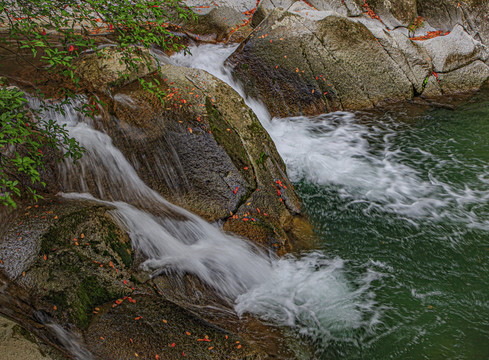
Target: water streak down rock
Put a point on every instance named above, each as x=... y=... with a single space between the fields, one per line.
x=206 y=151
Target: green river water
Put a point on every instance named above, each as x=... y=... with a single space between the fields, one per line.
x=407 y=197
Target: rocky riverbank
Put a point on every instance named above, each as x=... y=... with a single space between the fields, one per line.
x=204 y=150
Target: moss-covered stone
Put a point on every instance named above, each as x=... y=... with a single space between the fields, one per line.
x=90 y=293
x=80 y=261
x=227 y=138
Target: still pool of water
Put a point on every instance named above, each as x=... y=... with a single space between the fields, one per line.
x=408 y=196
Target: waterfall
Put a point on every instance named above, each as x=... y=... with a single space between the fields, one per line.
x=311 y=292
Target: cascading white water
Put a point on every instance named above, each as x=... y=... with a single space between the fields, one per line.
x=404 y=196
x=310 y=292
x=336 y=149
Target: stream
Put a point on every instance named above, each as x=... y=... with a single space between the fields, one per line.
x=399 y=200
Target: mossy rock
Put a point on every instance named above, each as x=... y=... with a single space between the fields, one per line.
x=203 y=149
x=80 y=261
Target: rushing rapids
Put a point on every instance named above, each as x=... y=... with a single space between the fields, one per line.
x=399 y=201
x=398 y=196
x=311 y=292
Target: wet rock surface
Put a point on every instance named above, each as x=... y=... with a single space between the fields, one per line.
x=153 y=326
x=206 y=151
x=18 y=343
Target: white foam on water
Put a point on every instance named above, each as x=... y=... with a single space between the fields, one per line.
x=361 y=160
x=313 y=295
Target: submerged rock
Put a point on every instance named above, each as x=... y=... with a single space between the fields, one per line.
x=311 y=59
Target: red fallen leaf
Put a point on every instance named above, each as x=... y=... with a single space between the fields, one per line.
x=183 y=353
x=157 y=357
x=173 y=345
x=71 y=48
x=246 y=167
x=186 y=332
x=44 y=32
x=45 y=257
x=235 y=190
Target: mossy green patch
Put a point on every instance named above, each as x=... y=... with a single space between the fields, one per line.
x=113 y=238
x=60 y=235
x=90 y=293
x=227 y=139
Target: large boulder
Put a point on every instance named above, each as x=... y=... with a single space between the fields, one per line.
x=205 y=150
x=477 y=20
x=113 y=67
x=220 y=24
x=305 y=59
x=301 y=64
x=454 y=51
x=206 y=6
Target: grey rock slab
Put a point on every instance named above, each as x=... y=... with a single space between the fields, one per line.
x=453 y=51
x=205 y=6
x=432 y=88
x=466 y=79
